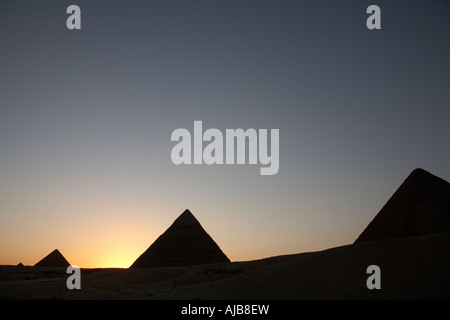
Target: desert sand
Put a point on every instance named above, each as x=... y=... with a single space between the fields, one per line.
x=411 y=268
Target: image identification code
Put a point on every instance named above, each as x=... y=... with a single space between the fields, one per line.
x=230 y=309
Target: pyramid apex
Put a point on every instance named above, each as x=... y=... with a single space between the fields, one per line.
x=422 y=176
x=419 y=171
x=186 y=218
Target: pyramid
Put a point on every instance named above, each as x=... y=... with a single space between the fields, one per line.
x=54 y=259
x=420 y=206
x=184 y=243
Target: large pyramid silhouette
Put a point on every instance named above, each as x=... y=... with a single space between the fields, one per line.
x=184 y=243
x=53 y=259
x=420 y=206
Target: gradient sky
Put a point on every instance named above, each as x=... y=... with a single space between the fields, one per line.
x=86 y=118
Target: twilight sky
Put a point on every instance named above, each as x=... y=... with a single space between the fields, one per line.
x=86 y=118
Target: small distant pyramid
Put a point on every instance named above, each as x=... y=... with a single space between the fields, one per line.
x=54 y=259
x=420 y=206
x=184 y=243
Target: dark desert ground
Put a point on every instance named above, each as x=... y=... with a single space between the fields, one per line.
x=409 y=239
